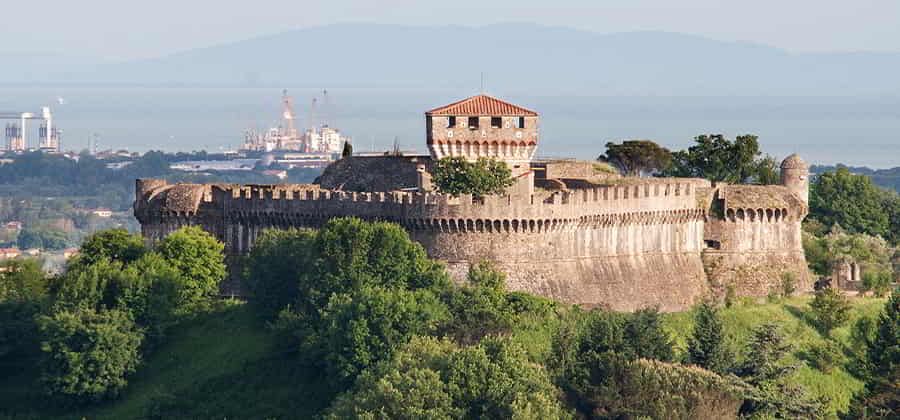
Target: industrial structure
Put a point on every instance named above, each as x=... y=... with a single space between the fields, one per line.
x=16 y=132
x=285 y=137
x=565 y=229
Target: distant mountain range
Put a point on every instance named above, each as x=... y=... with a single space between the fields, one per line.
x=521 y=57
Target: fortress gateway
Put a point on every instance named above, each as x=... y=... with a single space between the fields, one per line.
x=565 y=230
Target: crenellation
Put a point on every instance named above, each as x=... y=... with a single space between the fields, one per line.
x=624 y=243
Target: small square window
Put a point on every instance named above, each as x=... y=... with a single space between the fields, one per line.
x=496 y=122
x=451 y=122
x=473 y=123
x=520 y=123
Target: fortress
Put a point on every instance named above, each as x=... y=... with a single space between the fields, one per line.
x=566 y=229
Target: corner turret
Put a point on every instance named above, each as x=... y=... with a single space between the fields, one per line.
x=795 y=176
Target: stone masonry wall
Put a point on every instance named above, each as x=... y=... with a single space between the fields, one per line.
x=621 y=246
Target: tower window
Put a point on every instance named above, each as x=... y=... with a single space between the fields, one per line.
x=451 y=122
x=473 y=123
x=496 y=122
x=520 y=123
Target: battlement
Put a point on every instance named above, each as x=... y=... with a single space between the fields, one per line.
x=583 y=236
x=400 y=205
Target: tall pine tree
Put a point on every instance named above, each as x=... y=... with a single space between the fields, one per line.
x=884 y=353
x=706 y=346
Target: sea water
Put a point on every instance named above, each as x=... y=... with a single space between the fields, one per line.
x=862 y=131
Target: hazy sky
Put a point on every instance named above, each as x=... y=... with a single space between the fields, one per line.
x=125 y=29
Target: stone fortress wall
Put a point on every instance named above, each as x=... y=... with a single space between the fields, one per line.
x=623 y=246
x=621 y=243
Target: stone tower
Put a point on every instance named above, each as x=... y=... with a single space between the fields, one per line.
x=484 y=126
x=795 y=176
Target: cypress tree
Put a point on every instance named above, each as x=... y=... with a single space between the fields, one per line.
x=706 y=346
x=348 y=150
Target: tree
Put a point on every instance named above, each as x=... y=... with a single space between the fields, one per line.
x=884 y=352
x=114 y=244
x=275 y=267
x=718 y=159
x=706 y=346
x=592 y=349
x=637 y=157
x=830 y=309
x=367 y=325
x=347 y=151
x=23 y=293
x=851 y=201
x=432 y=379
x=881 y=398
x=765 y=369
x=480 y=308
x=29 y=238
x=349 y=254
x=42 y=238
x=87 y=355
x=456 y=175
x=367 y=289
x=200 y=259
x=87 y=286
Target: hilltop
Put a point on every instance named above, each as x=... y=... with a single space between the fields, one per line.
x=516 y=55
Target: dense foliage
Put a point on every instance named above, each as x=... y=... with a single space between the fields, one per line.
x=766 y=369
x=637 y=157
x=592 y=351
x=88 y=353
x=23 y=294
x=436 y=379
x=881 y=399
x=716 y=158
x=456 y=175
x=113 y=303
x=851 y=201
x=354 y=321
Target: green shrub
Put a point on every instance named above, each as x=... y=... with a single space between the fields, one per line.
x=659 y=390
x=878 y=282
x=437 y=379
x=87 y=355
x=830 y=309
x=456 y=175
x=826 y=356
x=730 y=296
x=788 y=284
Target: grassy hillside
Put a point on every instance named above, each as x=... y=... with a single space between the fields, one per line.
x=227 y=365
x=792 y=315
x=223 y=365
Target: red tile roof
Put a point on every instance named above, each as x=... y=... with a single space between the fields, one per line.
x=482 y=105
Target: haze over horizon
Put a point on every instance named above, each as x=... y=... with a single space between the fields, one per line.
x=122 y=31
